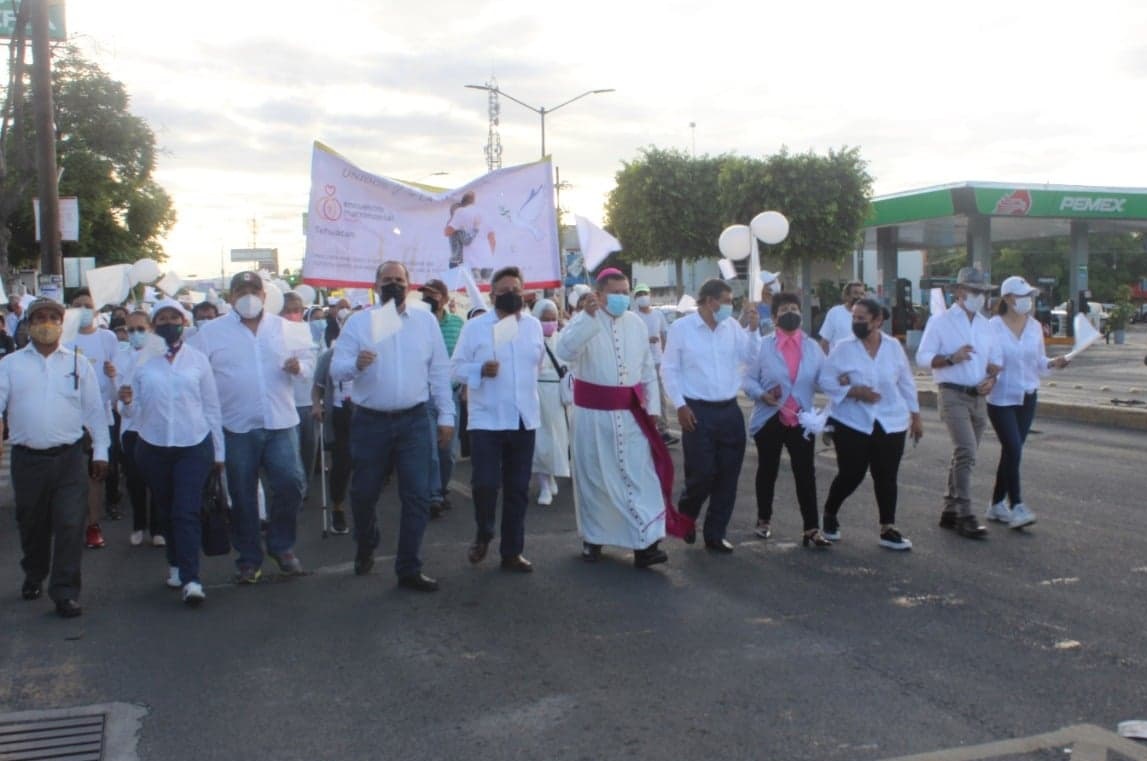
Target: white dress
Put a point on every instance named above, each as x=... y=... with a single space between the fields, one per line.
x=616 y=489
x=552 y=441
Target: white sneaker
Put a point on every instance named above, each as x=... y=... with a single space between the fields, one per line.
x=1000 y=512
x=136 y=538
x=553 y=486
x=193 y=593
x=173 y=577
x=544 y=496
x=157 y=540
x=1021 y=516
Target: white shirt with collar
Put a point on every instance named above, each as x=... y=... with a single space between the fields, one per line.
x=945 y=333
x=411 y=365
x=1024 y=361
x=510 y=398
x=888 y=374
x=51 y=400
x=706 y=363
x=254 y=389
x=99 y=346
x=837 y=325
x=175 y=403
x=658 y=326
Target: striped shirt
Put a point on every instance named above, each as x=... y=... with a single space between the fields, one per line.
x=451 y=325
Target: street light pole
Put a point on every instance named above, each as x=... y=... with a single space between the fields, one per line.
x=541 y=111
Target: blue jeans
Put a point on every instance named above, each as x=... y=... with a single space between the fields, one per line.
x=501 y=458
x=176 y=476
x=276 y=455
x=1011 y=424
x=306 y=446
x=378 y=442
x=442 y=458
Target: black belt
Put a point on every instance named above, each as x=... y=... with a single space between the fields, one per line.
x=49 y=452
x=704 y=403
x=969 y=390
x=420 y=407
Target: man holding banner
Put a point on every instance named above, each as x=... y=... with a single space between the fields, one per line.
x=397 y=359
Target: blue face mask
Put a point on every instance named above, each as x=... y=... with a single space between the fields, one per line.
x=137 y=340
x=724 y=312
x=87 y=317
x=617 y=303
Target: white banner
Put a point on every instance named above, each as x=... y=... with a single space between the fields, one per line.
x=358 y=220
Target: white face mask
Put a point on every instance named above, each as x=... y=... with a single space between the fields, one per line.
x=1023 y=304
x=974 y=302
x=249 y=307
x=643 y=301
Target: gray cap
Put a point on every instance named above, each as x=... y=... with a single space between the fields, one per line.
x=44 y=303
x=973 y=279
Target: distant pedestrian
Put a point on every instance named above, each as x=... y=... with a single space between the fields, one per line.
x=552 y=445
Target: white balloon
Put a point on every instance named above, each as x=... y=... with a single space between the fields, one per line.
x=736 y=242
x=306 y=293
x=770 y=227
x=144 y=271
x=273 y=304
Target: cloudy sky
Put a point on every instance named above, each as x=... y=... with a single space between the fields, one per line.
x=1023 y=91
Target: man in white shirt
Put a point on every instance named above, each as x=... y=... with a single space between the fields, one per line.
x=15 y=312
x=499 y=363
x=701 y=371
x=395 y=371
x=292 y=311
x=964 y=356
x=51 y=395
x=100 y=346
x=658 y=327
x=254 y=373
x=837 y=324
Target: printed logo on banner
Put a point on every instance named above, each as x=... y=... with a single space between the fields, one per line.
x=329 y=207
x=1015 y=204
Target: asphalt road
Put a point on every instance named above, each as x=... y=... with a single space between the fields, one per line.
x=774 y=652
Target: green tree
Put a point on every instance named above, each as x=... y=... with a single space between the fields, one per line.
x=108 y=157
x=662 y=208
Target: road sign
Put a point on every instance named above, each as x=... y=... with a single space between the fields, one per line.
x=57 y=31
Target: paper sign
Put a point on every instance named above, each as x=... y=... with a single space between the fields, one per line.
x=936 y=302
x=384 y=322
x=1085 y=335
x=505 y=330
x=596 y=244
x=460 y=277
x=170 y=284
x=109 y=285
x=71 y=325
x=297 y=336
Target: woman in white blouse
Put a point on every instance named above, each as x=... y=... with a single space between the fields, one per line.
x=1011 y=404
x=552 y=445
x=874 y=409
x=175 y=409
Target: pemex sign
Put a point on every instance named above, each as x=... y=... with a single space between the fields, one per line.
x=1089 y=203
x=56 y=28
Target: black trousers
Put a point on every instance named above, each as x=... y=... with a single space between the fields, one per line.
x=770 y=440
x=340 y=453
x=142 y=514
x=115 y=455
x=857 y=453
x=51 y=493
x=714 y=451
x=502 y=459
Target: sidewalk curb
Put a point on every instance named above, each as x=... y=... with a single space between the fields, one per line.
x=1116 y=417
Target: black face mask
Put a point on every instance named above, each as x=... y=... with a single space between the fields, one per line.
x=392 y=291
x=431 y=302
x=861 y=330
x=169 y=332
x=789 y=321
x=508 y=303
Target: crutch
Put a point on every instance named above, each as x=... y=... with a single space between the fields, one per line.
x=326 y=511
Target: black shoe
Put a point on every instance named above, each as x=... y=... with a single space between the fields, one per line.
x=816 y=539
x=651 y=555
x=948 y=519
x=517 y=563
x=338 y=522
x=363 y=562
x=970 y=528
x=477 y=552
x=436 y=510
x=113 y=514
x=724 y=546
x=590 y=553
x=447 y=505
x=690 y=536
x=670 y=439
x=419 y=582
x=68 y=609
x=31 y=590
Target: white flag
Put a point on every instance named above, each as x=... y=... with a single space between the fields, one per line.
x=1085 y=335
x=596 y=244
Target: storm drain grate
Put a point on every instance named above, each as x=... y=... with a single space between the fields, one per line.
x=77 y=738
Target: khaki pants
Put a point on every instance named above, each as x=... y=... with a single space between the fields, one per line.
x=966 y=416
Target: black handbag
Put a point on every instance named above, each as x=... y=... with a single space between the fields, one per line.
x=216 y=517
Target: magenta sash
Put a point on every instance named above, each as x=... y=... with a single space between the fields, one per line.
x=632 y=398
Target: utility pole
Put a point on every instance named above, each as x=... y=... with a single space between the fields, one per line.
x=51 y=261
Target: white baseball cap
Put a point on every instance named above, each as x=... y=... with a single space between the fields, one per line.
x=1017 y=286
